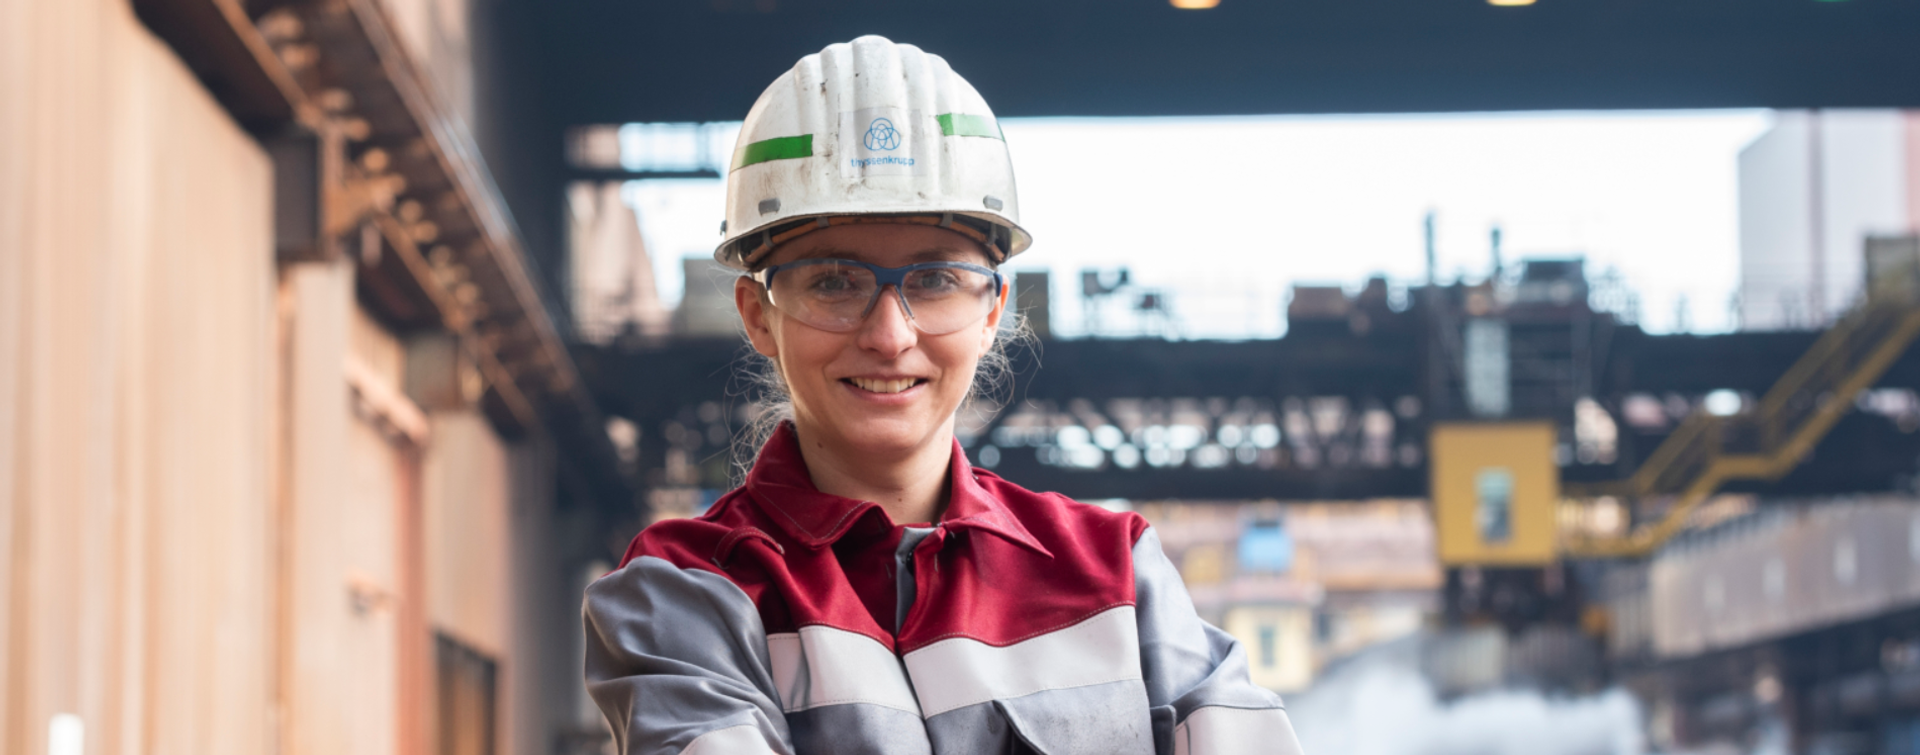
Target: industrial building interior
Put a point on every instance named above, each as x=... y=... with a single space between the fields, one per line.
x=338 y=354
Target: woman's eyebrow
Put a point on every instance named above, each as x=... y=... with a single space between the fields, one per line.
x=828 y=252
x=937 y=254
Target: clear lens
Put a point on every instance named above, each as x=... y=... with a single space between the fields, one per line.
x=836 y=296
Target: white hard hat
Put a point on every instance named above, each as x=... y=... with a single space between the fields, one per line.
x=869 y=131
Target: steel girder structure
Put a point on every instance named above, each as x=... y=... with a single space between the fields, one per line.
x=1348 y=411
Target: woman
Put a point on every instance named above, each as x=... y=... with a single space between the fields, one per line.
x=867 y=590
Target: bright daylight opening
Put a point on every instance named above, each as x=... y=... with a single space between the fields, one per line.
x=1215 y=221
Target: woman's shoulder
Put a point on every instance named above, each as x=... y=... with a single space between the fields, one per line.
x=690 y=541
x=1053 y=514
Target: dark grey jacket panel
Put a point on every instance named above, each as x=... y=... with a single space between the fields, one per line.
x=858 y=729
x=1100 y=719
x=673 y=654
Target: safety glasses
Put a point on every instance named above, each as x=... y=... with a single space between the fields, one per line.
x=836 y=295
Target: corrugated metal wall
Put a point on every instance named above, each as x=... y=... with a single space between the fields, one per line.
x=136 y=315
x=225 y=527
x=1786 y=570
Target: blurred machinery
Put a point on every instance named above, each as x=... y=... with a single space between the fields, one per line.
x=1343 y=407
x=1110 y=297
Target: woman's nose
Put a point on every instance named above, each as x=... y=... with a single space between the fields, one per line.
x=888 y=329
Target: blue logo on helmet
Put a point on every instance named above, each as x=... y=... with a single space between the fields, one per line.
x=882 y=136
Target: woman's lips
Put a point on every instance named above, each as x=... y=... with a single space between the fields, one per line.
x=883 y=385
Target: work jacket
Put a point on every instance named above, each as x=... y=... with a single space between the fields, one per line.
x=786 y=620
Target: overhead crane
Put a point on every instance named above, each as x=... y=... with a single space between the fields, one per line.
x=1356 y=408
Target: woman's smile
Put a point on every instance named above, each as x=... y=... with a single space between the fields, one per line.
x=886 y=386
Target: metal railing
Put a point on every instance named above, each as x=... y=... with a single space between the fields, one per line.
x=1707 y=451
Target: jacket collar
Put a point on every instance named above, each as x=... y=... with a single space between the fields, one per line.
x=781 y=486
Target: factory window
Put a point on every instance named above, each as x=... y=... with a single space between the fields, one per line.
x=1494 y=488
x=466 y=699
x=1265 y=547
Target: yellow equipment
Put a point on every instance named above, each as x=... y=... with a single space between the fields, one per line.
x=1495 y=493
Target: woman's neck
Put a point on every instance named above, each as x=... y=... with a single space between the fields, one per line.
x=911 y=487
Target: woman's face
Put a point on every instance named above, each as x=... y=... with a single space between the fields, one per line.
x=885 y=388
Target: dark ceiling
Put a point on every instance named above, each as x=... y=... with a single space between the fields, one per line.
x=543 y=65
x=696 y=60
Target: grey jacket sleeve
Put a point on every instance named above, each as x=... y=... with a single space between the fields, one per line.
x=677 y=660
x=1202 y=700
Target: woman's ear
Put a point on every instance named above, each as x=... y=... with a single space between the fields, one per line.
x=752 y=303
x=993 y=320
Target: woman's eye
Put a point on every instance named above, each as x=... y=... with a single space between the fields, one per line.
x=829 y=284
x=936 y=280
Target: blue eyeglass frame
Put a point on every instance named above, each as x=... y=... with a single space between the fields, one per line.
x=883 y=277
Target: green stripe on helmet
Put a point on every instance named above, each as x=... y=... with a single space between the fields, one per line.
x=782 y=148
x=961 y=124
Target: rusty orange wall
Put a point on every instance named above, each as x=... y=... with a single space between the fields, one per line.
x=136 y=341
x=467 y=495
x=339 y=564
x=490 y=576
x=214 y=520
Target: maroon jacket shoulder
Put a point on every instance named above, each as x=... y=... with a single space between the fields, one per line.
x=730 y=540
x=1055 y=519
x=705 y=541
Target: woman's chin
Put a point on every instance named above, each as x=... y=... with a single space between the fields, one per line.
x=883 y=436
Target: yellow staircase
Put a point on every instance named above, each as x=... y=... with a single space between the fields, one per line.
x=1706 y=451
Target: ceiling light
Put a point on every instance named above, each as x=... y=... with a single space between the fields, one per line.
x=1194 y=4
x=1509 y=3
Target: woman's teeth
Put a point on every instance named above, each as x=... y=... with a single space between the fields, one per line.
x=883 y=386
